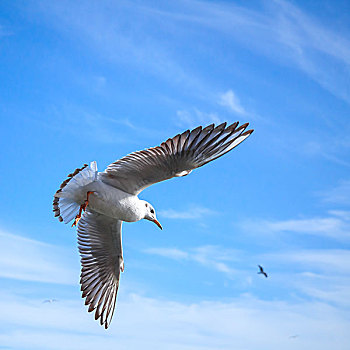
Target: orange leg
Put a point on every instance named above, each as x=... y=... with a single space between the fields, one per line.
x=82 y=208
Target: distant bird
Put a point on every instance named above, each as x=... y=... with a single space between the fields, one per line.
x=50 y=301
x=262 y=272
x=108 y=198
x=293 y=336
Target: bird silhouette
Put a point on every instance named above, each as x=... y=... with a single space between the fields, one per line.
x=262 y=272
x=293 y=336
x=49 y=301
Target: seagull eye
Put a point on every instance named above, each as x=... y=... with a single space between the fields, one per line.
x=146 y=205
x=152 y=211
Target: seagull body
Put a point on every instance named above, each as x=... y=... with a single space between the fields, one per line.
x=113 y=202
x=99 y=202
x=261 y=271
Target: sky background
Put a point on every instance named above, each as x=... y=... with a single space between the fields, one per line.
x=96 y=80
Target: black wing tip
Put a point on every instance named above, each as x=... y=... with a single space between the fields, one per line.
x=223 y=124
x=209 y=127
x=198 y=128
x=248 y=132
x=242 y=127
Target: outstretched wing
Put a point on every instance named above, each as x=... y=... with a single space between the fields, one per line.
x=100 y=247
x=178 y=156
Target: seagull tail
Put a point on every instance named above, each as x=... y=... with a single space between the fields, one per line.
x=64 y=203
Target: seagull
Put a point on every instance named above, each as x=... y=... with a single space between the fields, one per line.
x=293 y=336
x=262 y=272
x=98 y=203
x=49 y=301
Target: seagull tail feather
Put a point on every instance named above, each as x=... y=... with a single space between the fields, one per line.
x=65 y=206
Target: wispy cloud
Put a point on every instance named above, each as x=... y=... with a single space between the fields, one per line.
x=322 y=274
x=332 y=226
x=331 y=293
x=315 y=48
x=325 y=147
x=340 y=194
x=160 y=322
x=290 y=36
x=325 y=261
x=193 y=212
x=30 y=260
x=194 y=117
x=171 y=253
x=174 y=325
x=90 y=125
x=230 y=100
x=108 y=33
x=279 y=30
x=212 y=257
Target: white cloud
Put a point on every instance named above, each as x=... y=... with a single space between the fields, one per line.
x=171 y=253
x=287 y=34
x=26 y=259
x=279 y=30
x=332 y=226
x=339 y=194
x=152 y=323
x=322 y=274
x=193 y=212
x=243 y=323
x=331 y=294
x=212 y=257
x=231 y=101
x=315 y=48
x=68 y=118
x=326 y=261
x=118 y=42
x=193 y=118
x=282 y=32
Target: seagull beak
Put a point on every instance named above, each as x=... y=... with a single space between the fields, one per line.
x=157 y=223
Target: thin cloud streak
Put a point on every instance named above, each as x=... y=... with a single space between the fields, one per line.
x=212 y=257
x=30 y=260
x=325 y=261
x=230 y=100
x=194 y=117
x=322 y=274
x=340 y=194
x=332 y=226
x=105 y=31
x=194 y=212
x=170 y=253
x=282 y=32
x=174 y=325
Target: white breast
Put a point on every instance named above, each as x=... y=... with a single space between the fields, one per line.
x=115 y=203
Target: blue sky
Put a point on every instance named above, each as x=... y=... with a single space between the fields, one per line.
x=85 y=80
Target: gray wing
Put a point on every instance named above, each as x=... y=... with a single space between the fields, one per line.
x=100 y=247
x=178 y=156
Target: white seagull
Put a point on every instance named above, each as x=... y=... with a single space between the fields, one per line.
x=100 y=201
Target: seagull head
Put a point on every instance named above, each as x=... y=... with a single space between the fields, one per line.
x=150 y=214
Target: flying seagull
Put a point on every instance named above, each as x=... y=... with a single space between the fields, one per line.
x=49 y=301
x=99 y=202
x=293 y=336
x=262 y=272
